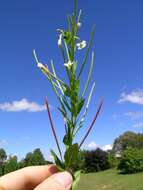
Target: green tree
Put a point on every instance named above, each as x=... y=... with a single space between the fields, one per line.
x=126 y=140
x=28 y=159
x=11 y=164
x=33 y=158
x=38 y=158
x=3 y=157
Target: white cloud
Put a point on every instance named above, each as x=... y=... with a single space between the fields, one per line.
x=21 y=105
x=134 y=115
x=138 y=125
x=107 y=147
x=92 y=145
x=135 y=97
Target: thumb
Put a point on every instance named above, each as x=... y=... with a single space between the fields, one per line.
x=58 y=181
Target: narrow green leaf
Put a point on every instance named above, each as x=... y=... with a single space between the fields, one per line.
x=79 y=16
x=71 y=156
x=67 y=91
x=76 y=180
x=86 y=109
x=63 y=112
x=87 y=52
x=66 y=104
x=75 y=7
x=69 y=23
x=89 y=75
x=67 y=140
x=54 y=72
x=58 y=162
x=80 y=105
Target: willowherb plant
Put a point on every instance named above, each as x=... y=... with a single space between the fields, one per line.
x=72 y=100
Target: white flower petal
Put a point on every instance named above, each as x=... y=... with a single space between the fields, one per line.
x=68 y=65
x=60 y=40
x=79 y=24
x=40 y=65
x=81 y=45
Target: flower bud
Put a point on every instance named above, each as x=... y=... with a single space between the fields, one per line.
x=60 y=40
x=79 y=24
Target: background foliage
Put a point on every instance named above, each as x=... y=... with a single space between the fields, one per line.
x=126 y=155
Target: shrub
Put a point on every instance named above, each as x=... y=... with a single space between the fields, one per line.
x=112 y=159
x=131 y=161
x=96 y=160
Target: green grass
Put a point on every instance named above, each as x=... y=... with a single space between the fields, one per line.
x=111 y=180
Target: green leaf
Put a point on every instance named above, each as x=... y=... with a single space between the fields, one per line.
x=87 y=52
x=66 y=104
x=54 y=73
x=67 y=91
x=76 y=180
x=63 y=112
x=74 y=95
x=71 y=156
x=86 y=109
x=58 y=162
x=89 y=75
x=80 y=105
x=67 y=140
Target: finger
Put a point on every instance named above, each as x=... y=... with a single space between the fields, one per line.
x=58 y=181
x=26 y=178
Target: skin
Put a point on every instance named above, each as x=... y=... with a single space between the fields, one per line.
x=36 y=178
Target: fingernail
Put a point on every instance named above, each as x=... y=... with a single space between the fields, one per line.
x=52 y=169
x=64 y=178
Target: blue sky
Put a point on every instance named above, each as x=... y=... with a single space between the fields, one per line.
x=118 y=44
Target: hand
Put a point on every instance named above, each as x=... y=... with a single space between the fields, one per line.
x=36 y=178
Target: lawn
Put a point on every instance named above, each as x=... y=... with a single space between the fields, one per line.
x=111 y=180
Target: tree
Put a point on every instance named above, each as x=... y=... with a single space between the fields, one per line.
x=11 y=164
x=3 y=157
x=96 y=160
x=33 y=158
x=127 y=139
x=38 y=158
x=131 y=161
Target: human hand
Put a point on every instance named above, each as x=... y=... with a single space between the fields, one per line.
x=36 y=178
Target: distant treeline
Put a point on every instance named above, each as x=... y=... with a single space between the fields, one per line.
x=126 y=155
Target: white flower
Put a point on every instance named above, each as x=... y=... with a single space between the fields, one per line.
x=81 y=45
x=79 y=24
x=65 y=120
x=68 y=65
x=41 y=66
x=60 y=40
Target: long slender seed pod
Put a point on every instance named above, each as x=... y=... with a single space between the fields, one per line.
x=94 y=119
x=52 y=127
